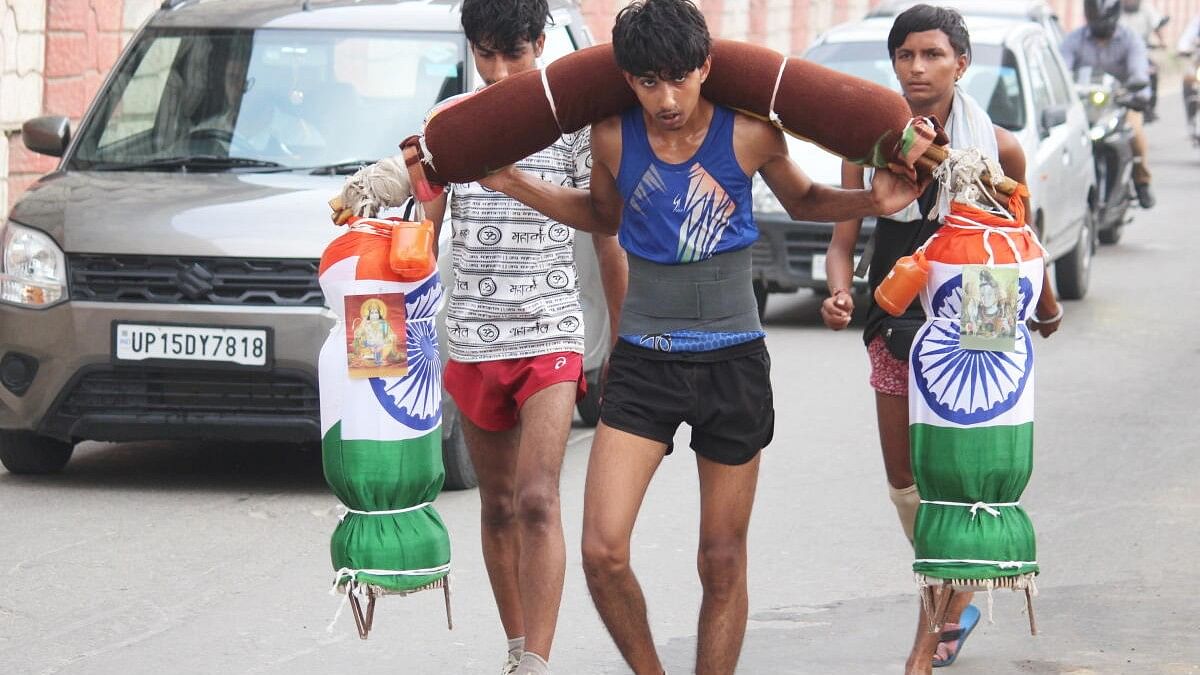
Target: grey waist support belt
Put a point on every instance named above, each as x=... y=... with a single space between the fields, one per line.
x=714 y=295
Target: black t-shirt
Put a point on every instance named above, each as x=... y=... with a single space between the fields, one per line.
x=894 y=240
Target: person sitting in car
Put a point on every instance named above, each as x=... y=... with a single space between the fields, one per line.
x=258 y=125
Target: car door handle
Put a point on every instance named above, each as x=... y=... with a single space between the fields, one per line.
x=1066 y=158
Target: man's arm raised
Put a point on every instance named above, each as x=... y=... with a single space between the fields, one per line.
x=596 y=210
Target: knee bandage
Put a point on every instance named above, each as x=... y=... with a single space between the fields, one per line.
x=906 y=500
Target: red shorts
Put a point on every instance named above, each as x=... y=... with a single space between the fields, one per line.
x=889 y=375
x=491 y=393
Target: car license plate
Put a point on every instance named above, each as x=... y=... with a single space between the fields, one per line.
x=818 y=268
x=214 y=344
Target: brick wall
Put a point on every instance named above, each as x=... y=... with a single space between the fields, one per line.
x=22 y=59
x=56 y=54
x=784 y=25
x=789 y=25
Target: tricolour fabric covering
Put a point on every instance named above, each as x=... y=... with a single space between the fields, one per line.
x=514 y=118
x=381 y=437
x=971 y=411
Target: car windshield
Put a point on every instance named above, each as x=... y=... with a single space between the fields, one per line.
x=991 y=79
x=261 y=99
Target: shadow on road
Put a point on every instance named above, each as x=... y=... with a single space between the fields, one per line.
x=184 y=466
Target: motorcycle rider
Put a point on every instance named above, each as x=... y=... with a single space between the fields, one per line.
x=1144 y=19
x=1189 y=42
x=1105 y=45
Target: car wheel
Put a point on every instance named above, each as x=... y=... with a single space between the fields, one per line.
x=589 y=405
x=460 y=472
x=760 y=297
x=1074 y=270
x=25 y=452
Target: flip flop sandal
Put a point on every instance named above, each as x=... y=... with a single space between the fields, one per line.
x=967 y=623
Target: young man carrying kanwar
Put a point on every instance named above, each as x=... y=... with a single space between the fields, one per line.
x=516 y=339
x=672 y=178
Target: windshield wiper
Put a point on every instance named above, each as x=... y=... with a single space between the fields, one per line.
x=342 y=168
x=200 y=162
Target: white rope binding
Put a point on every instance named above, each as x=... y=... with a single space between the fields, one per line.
x=391 y=512
x=376 y=187
x=550 y=100
x=1002 y=564
x=987 y=508
x=426 y=155
x=771 y=114
x=961 y=175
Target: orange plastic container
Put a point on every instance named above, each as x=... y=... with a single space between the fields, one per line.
x=411 y=256
x=902 y=285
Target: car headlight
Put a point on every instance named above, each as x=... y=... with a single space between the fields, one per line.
x=33 y=269
x=765 y=201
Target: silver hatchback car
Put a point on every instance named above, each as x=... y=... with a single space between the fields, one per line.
x=161 y=283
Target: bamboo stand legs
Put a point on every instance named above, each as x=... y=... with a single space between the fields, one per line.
x=936 y=600
x=364 y=619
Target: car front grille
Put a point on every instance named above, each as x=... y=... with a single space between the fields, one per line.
x=194 y=280
x=798 y=242
x=801 y=245
x=761 y=254
x=137 y=403
x=191 y=392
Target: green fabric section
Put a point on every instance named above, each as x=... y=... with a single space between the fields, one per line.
x=988 y=464
x=877 y=157
x=976 y=464
x=951 y=533
x=383 y=475
x=971 y=572
x=403 y=541
x=907 y=139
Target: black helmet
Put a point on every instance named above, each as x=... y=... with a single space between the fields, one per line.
x=1102 y=17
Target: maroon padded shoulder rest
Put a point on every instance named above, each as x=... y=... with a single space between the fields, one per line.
x=513 y=119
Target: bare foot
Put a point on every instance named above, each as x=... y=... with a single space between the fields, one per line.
x=946 y=649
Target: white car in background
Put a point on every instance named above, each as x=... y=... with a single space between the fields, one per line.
x=1036 y=11
x=1018 y=76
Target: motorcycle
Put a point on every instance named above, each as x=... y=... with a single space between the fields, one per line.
x=1106 y=103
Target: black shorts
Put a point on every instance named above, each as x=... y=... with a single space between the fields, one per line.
x=724 y=395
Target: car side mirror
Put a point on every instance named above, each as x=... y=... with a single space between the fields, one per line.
x=1134 y=87
x=47 y=135
x=1053 y=116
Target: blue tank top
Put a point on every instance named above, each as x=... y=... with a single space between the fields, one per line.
x=683 y=213
x=687 y=212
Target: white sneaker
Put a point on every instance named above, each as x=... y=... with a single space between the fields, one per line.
x=532 y=664
x=510 y=664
